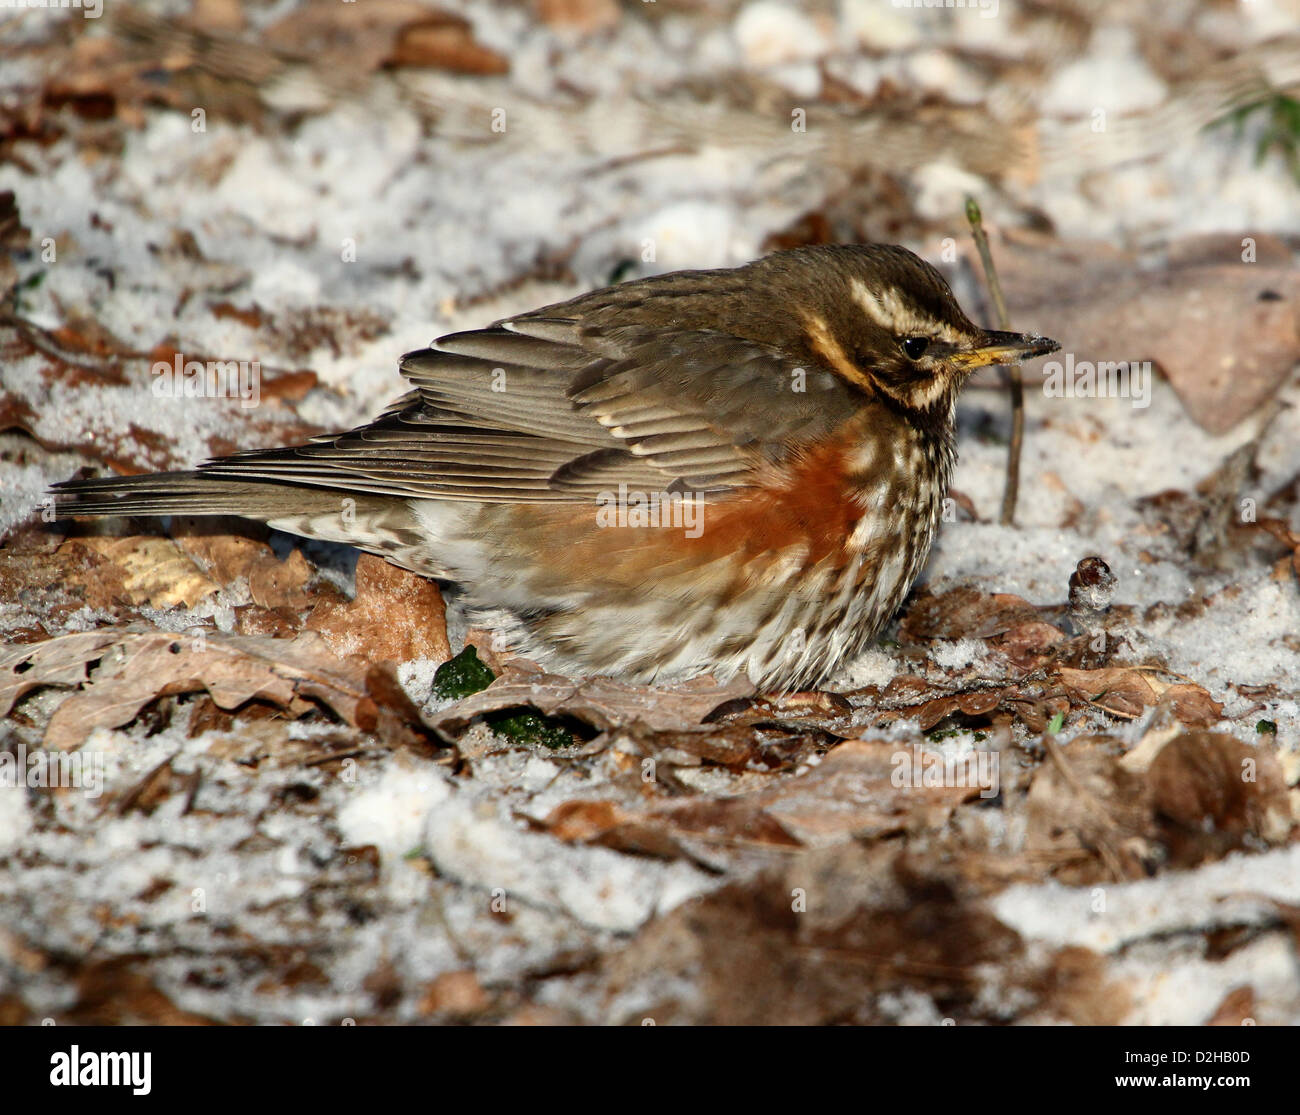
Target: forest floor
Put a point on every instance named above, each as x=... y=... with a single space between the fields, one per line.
x=228 y=789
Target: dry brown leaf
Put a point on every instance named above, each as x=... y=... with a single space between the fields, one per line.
x=219 y=15
x=870 y=788
x=148 y=792
x=151 y=570
x=966 y=613
x=1214 y=792
x=580 y=15
x=684 y=829
x=1123 y=692
x=362 y=37
x=447 y=43
x=1199 y=794
x=60 y=662
x=455 y=993
x=272 y=583
x=137 y=668
x=822 y=938
x=1088 y=816
x=1288 y=566
x=14 y=237
x=603 y=703
x=1079 y=991
x=1126 y=692
x=118 y=991
x=1191 y=705
x=396 y=615
x=861 y=789
x=1238 y=1005
x=583 y=820
x=738 y=746
x=1030 y=644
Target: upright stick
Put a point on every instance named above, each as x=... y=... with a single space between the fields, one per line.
x=1012 y=490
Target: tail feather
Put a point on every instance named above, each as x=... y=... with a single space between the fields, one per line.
x=383 y=525
x=187 y=493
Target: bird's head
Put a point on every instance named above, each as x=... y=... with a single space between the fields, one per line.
x=883 y=319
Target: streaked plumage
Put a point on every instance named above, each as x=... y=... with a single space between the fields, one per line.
x=780 y=397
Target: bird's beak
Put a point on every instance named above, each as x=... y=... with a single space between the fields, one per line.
x=1003 y=348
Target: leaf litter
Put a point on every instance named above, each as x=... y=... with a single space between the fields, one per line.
x=1019 y=808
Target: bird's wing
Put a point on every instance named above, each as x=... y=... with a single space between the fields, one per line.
x=543 y=408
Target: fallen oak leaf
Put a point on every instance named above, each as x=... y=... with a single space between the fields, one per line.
x=61 y=661
x=138 y=668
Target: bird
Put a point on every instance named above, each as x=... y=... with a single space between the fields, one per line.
x=710 y=472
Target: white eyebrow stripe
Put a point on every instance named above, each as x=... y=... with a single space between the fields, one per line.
x=893 y=314
x=884 y=308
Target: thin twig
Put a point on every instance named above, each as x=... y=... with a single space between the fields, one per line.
x=1012 y=490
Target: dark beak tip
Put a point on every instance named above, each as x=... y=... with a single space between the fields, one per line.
x=1025 y=345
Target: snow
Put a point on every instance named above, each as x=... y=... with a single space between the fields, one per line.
x=770 y=33
x=270 y=211
x=1111 y=76
x=1236 y=890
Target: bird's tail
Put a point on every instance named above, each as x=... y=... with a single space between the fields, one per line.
x=383 y=525
x=185 y=493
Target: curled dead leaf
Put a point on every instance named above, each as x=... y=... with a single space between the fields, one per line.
x=395 y=615
x=1127 y=691
x=1213 y=792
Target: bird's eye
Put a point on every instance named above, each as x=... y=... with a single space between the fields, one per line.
x=915 y=347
